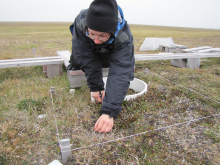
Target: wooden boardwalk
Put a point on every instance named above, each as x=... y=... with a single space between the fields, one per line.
x=192 y=61
x=52 y=66
x=170 y=56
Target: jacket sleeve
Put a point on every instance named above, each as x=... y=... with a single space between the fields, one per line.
x=121 y=72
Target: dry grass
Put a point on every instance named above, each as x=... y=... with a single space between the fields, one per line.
x=24 y=94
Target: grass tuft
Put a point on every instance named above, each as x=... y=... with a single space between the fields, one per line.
x=31 y=105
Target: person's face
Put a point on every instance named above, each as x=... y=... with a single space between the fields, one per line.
x=98 y=37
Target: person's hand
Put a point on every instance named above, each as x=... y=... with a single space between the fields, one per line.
x=96 y=96
x=104 y=124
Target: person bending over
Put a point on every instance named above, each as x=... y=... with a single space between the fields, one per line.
x=102 y=39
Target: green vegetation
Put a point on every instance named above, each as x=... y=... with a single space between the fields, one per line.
x=25 y=94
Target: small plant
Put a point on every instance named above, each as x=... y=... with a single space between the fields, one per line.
x=131 y=92
x=215 y=138
x=216 y=72
x=31 y=105
x=3 y=159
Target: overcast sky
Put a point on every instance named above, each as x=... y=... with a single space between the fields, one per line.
x=182 y=13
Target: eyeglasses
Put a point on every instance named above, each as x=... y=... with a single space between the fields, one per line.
x=93 y=37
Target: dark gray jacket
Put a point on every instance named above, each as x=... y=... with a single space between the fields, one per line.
x=118 y=56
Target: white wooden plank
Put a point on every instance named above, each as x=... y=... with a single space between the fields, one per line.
x=164 y=53
x=168 y=45
x=179 y=46
x=162 y=56
x=196 y=49
x=30 y=59
x=30 y=63
x=142 y=57
x=65 y=54
x=209 y=50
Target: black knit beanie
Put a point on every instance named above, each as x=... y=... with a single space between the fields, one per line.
x=102 y=16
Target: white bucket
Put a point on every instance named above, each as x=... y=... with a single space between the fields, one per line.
x=137 y=85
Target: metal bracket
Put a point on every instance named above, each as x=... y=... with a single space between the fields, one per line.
x=52 y=90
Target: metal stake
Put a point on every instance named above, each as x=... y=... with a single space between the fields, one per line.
x=65 y=148
x=52 y=90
